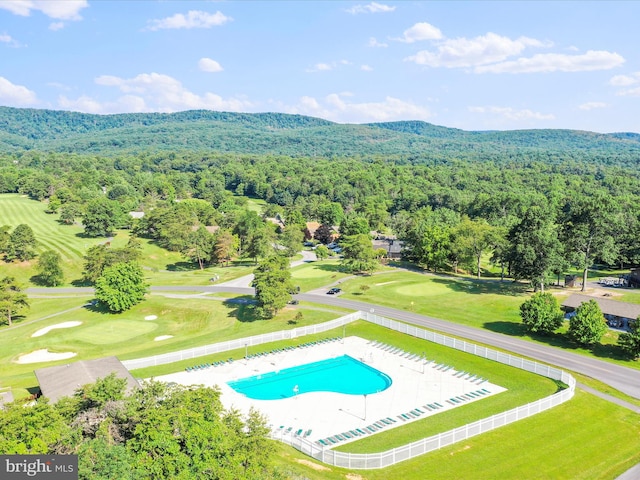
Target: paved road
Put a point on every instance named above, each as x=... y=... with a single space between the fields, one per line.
x=625 y=379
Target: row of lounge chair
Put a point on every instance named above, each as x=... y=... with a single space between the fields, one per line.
x=289 y=349
x=417 y=412
x=458 y=399
x=358 y=432
x=397 y=351
x=301 y=432
x=203 y=366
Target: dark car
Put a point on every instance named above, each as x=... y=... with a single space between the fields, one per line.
x=333 y=291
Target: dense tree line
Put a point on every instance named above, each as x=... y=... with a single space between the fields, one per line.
x=158 y=431
x=535 y=219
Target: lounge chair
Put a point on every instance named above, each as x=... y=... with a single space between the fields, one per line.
x=391 y=420
x=307 y=433
x=360 y=431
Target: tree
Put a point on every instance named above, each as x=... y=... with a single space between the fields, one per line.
x=322 y=252
x=541 y=313
x=353 y=224
x=199 y=246
x=358 y=254
x=226 y=246
x=69 y=212
x=22 y=244
x=534 y=247
x=259 y=243
x=272 y=281
x=323 y=234
x=291 y=239
x=630 y=342
x=121 y=286
x=12 y=300
x=588 y=325
x=589 y=230
x=102 y=217
x=50 y=268
x=475 y=237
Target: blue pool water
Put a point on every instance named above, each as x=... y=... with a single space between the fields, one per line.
x=341 y=374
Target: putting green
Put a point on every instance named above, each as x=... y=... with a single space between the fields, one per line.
x=113 y=331
x=421 y=289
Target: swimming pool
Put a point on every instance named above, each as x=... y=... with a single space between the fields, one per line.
x=342 y=374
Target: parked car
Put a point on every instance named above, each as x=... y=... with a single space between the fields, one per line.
x=334 y=291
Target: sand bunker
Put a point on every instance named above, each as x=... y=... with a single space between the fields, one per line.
x=163 y=337
x=44 y=356
x=151 y=317
x=45 y=330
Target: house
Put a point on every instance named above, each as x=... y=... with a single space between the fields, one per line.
x=617 y=314
x=392 y=246
x=64 y=380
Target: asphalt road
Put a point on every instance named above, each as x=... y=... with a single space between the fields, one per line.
x=625 y=379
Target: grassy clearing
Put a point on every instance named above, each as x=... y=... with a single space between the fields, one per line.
x=67 y=240
x=191 y=322
x=317 y=274
x=586 y=438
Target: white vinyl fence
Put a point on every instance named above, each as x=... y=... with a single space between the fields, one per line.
x=411 y=450
x=435 y=442
x=239 y=343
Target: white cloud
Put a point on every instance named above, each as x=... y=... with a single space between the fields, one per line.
x=625 y=80
x=320 y=67
x=335 y=107
x=15 y=95
x=193 y=19
x=152 y=92
x=12 y=42
x=366 y=68
x=464 y=52
x=512 y=114
x=209 y=65
x=630 y=80
x=58 y=9
x=55 y=26
x=592 y=105
x=557 y=62
x=420 y=31
x=631 y=92
x=375 y=43
x=372 y=7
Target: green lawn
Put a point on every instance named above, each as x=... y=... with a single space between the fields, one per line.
x=584 y=439
x=191 y=322
x=317 y=274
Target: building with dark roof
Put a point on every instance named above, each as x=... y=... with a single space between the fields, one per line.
x=64 y=380
x=618 y=314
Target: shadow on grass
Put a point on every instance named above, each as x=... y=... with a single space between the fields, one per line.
x=557 y=340
x=243 y=308
x=98 y=307
x=182 y=267
x=507 y=328
x=81 y=282
x=328 y=267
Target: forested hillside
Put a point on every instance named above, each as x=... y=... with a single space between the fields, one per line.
x=299 y=136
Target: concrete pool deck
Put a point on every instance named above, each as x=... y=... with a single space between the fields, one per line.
x=417 y=384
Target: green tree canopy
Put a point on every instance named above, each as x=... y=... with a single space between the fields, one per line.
x=121 y=286
x=22 y=244
x=358 y=254
x=272 y=281
x=50 y=268
x=541 y=313
x=630 y=342
x=13 y=301
x=588 y=325
x=102 y=217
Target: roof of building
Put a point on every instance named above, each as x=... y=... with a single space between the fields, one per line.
x=6 y=396
x=608 y=306
x=64 y=380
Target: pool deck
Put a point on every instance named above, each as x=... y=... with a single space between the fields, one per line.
x=420 y=388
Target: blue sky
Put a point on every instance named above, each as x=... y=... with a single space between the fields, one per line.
x=473 y=65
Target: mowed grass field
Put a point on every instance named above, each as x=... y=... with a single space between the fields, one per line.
x=190 y=322
x=161 y=266
x=67 y=240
